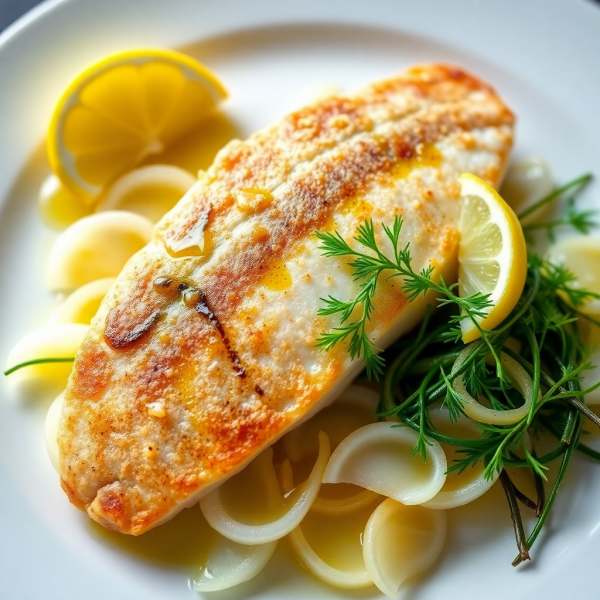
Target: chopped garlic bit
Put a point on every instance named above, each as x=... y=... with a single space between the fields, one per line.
x=253 y=200
x=156 y=409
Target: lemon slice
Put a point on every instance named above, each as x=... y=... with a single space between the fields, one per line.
x=492 y=254
x=123 y=109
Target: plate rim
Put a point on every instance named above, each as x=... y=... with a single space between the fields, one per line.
x=39 y=13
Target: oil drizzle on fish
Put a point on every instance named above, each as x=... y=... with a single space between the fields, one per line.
x=278 y=277
x=423 y=155
x=195 y=299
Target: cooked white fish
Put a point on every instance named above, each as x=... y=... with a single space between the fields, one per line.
x=203 y=353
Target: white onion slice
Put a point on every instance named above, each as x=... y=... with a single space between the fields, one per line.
x=343 y=505
x=150 y=191
x=82 y=305
x=355 y=407
x=51 y=429
x=336 y=524
x=288 y=511
x=95 y=247
x=54 y=341
x=526 y=182
x=519 y=379
x=459 y=488
x=378 y=457
x=400 y=542
x=59 y=207
x=581 y=256
x=228 y=564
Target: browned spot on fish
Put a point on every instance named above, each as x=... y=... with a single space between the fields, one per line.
x=109 y=507
x=93 y=369
x=120 y=334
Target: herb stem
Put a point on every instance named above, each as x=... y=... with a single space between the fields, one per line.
x=535 y=352
x=524 y=499
x=515 y=515
x=540 y=490
x=554 y=386
x=579 y=181
x=425 y=365
x=38 y=361
x=559 y=477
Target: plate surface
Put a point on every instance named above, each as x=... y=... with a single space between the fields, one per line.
x=544 y=58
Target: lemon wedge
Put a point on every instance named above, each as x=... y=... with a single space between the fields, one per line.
x=123 y=109
x=492 y=255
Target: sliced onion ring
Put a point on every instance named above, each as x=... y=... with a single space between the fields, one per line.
x=96 y=247
x=379 y=457
x=472 y=483
x=150 y=191
x=295 y=505
x=228 y=564
x=400 y=542
x=336 y=506
x=527 y=181
x=520 y=380
x=355 y=407
x=580 y=255
x=51 y=429
x=82 y=305
x=310 y=559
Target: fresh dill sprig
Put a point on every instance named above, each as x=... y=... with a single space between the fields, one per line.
x=581 y=220
x=367 y=268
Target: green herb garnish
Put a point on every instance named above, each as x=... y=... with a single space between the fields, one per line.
x=38 y=361
x=367 y=268
x=417 y=371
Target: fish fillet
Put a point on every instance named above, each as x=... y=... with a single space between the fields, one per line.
x=203 y=353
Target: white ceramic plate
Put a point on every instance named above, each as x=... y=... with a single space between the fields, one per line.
x=544 y=58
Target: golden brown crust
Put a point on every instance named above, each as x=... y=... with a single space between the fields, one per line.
x=156 y=409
